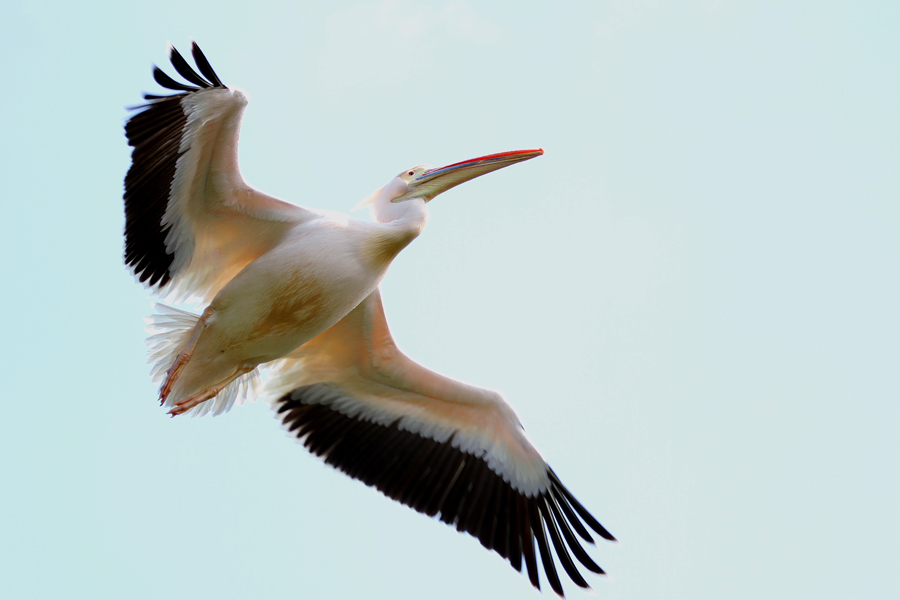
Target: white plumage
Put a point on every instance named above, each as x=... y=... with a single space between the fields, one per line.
x=294 y=291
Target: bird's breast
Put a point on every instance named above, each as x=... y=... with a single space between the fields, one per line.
x=293 y=293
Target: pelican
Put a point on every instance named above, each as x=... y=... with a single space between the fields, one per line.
x=293 y=292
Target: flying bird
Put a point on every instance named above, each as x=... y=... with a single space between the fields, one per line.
x=293 y=292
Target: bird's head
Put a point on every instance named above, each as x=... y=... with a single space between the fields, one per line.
x=425 y=182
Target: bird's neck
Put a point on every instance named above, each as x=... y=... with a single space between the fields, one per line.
x=399 y=224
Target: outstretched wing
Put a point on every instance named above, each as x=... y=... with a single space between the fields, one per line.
x=437 y=445
x=191 y=221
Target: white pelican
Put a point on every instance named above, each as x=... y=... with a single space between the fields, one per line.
x=295 y=290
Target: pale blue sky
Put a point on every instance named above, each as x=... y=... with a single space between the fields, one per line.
x=691 y=299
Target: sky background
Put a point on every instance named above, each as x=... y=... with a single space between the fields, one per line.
x=691 y=300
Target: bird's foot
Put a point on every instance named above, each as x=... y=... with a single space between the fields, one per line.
x=172 y=375
x=192 y=401
x=183 y=357
x=189 y=403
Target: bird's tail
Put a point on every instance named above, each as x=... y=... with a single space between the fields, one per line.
x=169 y=330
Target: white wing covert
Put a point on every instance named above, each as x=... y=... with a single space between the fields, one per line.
x=191 y=221
x=437 y=445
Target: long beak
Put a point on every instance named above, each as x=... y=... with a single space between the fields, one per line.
x=436 y=181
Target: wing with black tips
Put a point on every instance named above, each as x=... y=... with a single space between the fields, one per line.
x=191 y=221
x=439 y=446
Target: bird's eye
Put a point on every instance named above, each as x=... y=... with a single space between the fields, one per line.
x=411 y=173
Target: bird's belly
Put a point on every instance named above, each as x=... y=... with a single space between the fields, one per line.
x=280 y=302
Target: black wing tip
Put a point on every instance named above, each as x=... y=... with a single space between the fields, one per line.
x=183 y=68
x=152 y=97
x=457 y=488
x=203 y=64
x=592 y=522
x=163 y=79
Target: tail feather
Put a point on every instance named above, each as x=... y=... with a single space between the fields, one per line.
x=169 y=330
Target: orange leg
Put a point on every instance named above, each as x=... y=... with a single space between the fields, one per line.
x=185 y=355
x=189 y=403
